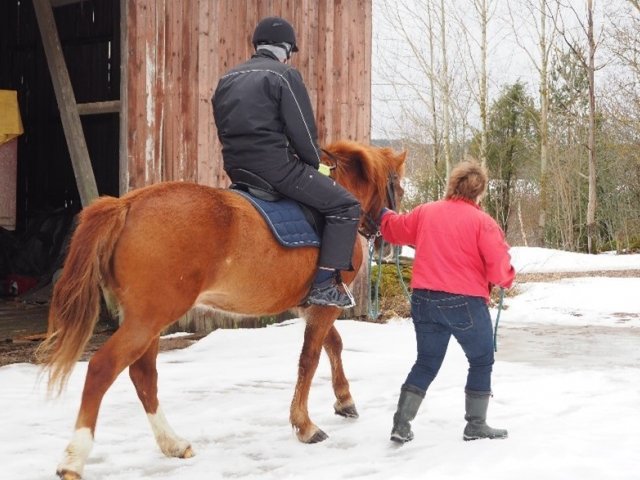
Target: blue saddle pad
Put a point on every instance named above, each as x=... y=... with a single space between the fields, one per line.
x=286 y=220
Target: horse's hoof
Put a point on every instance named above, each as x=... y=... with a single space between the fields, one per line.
x=349 y=411
x=176 y=448
x=318 y=437
x=68 y=475
x=188 y=453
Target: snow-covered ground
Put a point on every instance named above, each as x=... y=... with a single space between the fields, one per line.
x=566 y=385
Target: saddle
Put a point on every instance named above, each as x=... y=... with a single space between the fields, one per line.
x=254 y=184
x=293 y=223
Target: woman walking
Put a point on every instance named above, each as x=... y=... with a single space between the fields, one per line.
x=460 y=253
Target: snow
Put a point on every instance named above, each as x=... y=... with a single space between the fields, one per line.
x=566 y=386
x=535 y=259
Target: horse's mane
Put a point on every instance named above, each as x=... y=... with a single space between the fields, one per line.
x=365 y=170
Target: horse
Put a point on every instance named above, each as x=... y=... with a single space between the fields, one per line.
x=160 y=250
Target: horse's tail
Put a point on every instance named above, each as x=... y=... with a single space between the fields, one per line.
x=75 y=304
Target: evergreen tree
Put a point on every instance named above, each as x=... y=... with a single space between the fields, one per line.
x=511 y=149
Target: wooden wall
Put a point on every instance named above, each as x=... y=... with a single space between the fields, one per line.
x=176 y=51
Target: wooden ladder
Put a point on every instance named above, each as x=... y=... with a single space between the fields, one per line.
x=70 y=110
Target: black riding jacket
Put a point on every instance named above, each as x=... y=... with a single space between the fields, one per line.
x=264 y=117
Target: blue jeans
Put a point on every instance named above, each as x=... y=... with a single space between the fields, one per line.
x=437 y=316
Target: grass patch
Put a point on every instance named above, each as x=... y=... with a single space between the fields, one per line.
x=392 y=298
x=393 y=301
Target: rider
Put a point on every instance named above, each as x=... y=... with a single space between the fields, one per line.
x=266 y=125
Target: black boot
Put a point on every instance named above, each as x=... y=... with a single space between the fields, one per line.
x=476 y=405
x=408 y=405
x=331 y=295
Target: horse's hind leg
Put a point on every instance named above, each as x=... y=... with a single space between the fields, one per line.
x=124 y=347
x=344 y=403
x=319 y=322
x=144 y=376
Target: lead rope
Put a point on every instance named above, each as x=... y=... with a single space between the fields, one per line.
x=374 y=304
x=374 y=299
x=397 y=250
x=495 y=330
x=408 y=295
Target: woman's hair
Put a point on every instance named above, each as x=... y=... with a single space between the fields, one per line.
x=468 y=181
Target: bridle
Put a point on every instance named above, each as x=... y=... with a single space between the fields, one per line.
x=370 y=223
x=369 y=226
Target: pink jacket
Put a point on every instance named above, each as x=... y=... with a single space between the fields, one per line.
x=459 y=248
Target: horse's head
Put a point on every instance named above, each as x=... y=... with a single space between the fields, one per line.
x=371 y=174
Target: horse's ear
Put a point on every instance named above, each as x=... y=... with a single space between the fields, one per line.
x=395 y=160
x=361 y=164
x=350 y=157
x=400 y=163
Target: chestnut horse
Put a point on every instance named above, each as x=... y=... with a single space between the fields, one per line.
x=160 y=250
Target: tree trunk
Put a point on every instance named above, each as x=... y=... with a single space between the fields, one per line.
x=591 y=205
x=435 y=134
x=446 y=93
x=483 y=82
x=544 y=124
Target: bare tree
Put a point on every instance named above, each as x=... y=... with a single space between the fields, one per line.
x=619 y=109
x=544 y=50
x=446 y=92
x=587 y=60
x=419 y=77
x=624 y=25
x=435 y=133
x=481 y=9
x=538 y=12
x=477 y=48
x=591 y=206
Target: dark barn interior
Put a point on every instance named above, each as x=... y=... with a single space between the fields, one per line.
x=47 y=196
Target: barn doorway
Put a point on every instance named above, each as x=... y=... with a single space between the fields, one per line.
x=46 y=192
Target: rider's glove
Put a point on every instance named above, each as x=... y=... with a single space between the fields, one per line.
x=324 y=169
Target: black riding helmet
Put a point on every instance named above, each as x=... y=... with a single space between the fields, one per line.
x=273 y=30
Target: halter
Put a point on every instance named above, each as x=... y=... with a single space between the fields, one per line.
x=370 y=227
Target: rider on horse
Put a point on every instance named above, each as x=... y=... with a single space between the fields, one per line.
x=266 y=126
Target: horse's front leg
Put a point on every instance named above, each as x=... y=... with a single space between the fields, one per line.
x=319 y=322
x=144 y=375
x=344 y=405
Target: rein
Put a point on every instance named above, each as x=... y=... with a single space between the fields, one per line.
x=374 y=303
x=374 y=300
x=495 y=330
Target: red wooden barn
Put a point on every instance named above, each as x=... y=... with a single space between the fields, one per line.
x=115 y=94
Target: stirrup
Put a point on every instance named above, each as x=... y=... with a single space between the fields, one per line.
x=330 y=296
x=349 y=294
